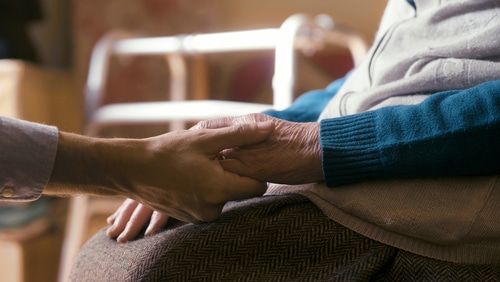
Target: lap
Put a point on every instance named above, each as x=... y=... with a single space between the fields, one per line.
x=268 y=238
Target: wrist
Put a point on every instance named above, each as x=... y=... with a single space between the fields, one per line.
x=307 y=153
x=315 y=152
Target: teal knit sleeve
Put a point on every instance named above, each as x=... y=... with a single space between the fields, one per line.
x=451 y=133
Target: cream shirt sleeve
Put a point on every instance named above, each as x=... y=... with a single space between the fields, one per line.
x=27 y=156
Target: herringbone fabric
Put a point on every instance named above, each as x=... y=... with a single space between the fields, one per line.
x=274 y=238
x=410 y=267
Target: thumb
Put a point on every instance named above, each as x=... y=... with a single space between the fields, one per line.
x=214 y=123
x=239 y=135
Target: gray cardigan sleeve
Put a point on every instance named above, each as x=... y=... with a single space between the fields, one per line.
x=27 y=156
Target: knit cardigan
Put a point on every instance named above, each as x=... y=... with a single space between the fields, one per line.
x=411 y=139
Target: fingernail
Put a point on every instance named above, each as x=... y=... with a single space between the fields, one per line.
x=111 y=229
x=266 y=125
x=121 y=239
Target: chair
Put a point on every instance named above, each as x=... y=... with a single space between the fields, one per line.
x=298 y=32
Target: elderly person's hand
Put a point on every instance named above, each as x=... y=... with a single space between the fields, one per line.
x=291 y=155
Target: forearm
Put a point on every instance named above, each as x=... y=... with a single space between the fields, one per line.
x=449 y=134
x=92 y=166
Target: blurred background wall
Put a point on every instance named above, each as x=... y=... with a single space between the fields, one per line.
x=52 y=34
x=232 y=76
x=66 y=32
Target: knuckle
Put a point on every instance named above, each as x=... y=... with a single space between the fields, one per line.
x=240 y=129
x=201 y=125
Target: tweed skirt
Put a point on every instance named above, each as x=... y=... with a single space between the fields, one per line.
x=271 y=238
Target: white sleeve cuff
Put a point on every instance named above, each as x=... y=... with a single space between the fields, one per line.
x=27 y=155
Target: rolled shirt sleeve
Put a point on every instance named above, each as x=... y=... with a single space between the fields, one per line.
x=27 y=155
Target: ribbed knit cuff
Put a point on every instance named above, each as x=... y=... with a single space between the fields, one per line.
x=350 y=152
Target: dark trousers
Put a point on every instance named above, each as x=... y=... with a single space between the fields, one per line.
x=273 y=238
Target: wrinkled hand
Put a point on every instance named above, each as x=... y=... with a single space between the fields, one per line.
x=131 y=217
x=179 y=174
x=291 y=155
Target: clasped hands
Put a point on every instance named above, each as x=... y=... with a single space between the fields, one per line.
x=185 y=178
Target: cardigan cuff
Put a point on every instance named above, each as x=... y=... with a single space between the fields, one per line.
x=350 y=152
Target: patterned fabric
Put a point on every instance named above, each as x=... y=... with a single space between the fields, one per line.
x=271 y=238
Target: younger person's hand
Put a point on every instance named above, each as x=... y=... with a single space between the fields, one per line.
x=177 y=173
x=128 y=221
